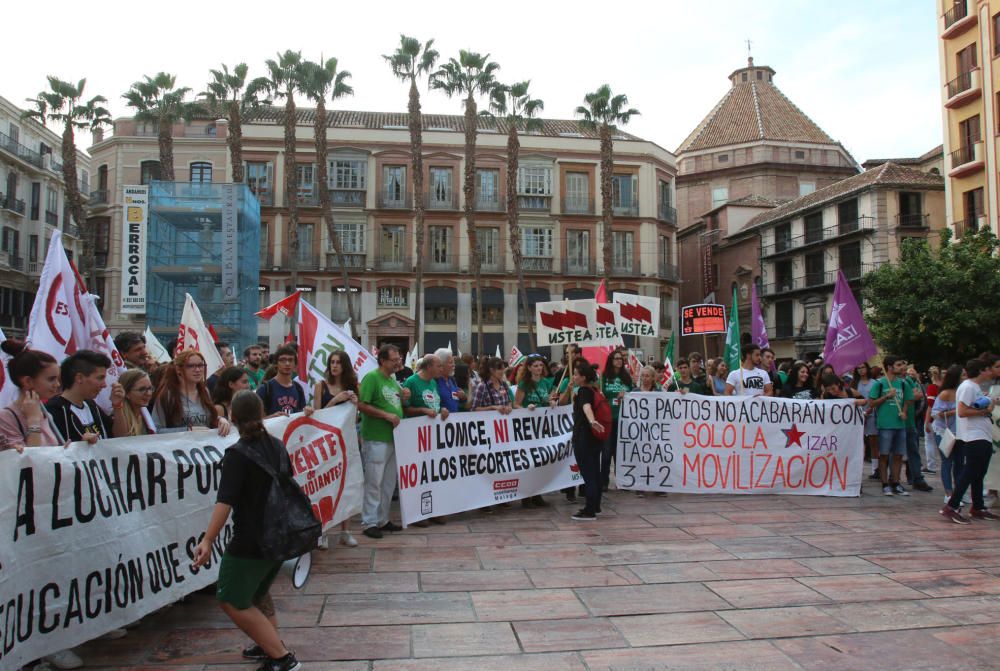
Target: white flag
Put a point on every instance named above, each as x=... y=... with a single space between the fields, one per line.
x=318 y=337
x=499 y=355
x=155 y=347
x=449 y=347
x=193 y=334
x=8 y=390
x=347 y=325
x=101 y=341
x=58 y=321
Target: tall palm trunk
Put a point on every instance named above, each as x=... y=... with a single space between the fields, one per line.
x=291 y=189
x=469 y=191
x=165 y=139
x=319 y=133
x=417 y=161
x=75 y=201
x=514 y=228
x=607 y=166
x=235 y=140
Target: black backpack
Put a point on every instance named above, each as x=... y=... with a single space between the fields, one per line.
x=289 y=527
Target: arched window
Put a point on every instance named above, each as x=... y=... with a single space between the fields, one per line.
x=201 y=172
x=149 y=171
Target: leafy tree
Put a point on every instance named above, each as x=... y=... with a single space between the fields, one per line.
x=156 y=100
x=230 y=96
x=938 y=306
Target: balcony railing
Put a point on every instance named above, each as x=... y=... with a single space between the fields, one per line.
x=441 y=263
x=534 y=203
x=51 y=218
x=968 y=226
x=439 y=201
x=11 y=146
x=667 y=214
x=912 y=220
x=308 y=198
x=99 y=197
x=54 y=163
x=668 y=271
x=307 y=261
x=815 y=279
x=626 y=269
x=958 y=12
x=352 y=261
x=965 y=159
x=394 y=263
x=72 y=230
x=578 y=206
x=627 y=210
x=488 y=204
x=582 y=267
x=12 y=204
x=348 y=197
x=34 y=267
x=963 y=87
x=494 y=265
x=537 y=264
x=785 y=245
x=12 y=262
x=393 y=201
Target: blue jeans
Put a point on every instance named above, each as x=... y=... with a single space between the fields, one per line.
x=891 y=442
x=952 y=465
x=913 y=460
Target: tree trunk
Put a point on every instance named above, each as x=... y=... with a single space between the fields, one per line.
x=75 y=200
x=417 y=162
x=514 y=228
x=291 y=189
x=235 y=140
x=319 y=133
x=607 y=166
x=469 y=191
x=165 y=139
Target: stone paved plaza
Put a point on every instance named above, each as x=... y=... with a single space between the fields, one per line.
x=677 y=582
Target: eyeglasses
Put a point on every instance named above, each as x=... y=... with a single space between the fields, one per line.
x=196 y=365
x=142 y=390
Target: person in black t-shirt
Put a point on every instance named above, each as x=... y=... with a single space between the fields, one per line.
x=586 y=447
x=282 y=394
x=74 y=412
x=245 y=576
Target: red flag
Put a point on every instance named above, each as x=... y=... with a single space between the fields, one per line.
x=598 y=355
x=285 y=306
x=211 y=332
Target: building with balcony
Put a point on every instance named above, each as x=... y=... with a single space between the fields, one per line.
x=851 y=227
x=32 y=205
x=371 y=188
x=968 y=47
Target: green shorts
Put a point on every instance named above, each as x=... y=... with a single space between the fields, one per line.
x=244 y=581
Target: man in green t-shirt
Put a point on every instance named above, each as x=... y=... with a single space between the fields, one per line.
x=890 y=397
x=253 y=356
x=684 y=383
x=424 y=396
x=380 y=401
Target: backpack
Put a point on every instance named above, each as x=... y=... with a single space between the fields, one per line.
x=602 y=415
x=300 y=394
x=289 y=527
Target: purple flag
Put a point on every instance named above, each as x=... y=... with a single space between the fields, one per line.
x=758 y=330
x=848 y=342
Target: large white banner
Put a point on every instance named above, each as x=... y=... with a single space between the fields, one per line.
x=584 y=322
x=318 y=338
x=230 y=292
x=476 y=459
x=136 y=214
x=96 y=537
x=638 y=315
x=739 y=445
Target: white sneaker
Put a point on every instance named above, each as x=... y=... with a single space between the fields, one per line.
x=346 y=538
x=114 y=635
x=324 y=543
x=64 y=659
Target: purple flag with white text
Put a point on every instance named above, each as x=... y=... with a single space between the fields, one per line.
x=758 y=329
x=848 y=342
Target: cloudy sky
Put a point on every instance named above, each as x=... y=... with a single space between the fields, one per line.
x=866 y=71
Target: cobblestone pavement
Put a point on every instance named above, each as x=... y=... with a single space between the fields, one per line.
x=677 y=582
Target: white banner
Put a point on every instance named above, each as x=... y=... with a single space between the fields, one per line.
x=136 y=215
x=318 y=338
x=639 y=315
x=8 y=390
x=584 y=322
x=739 y=445
x=230 y=293
x=97 y=537
x=476 y=459
x=155 y=347
x=193 y=334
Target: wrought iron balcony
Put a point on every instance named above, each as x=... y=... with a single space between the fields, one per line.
x=20 y=151
x=441 y=201
x=264 y=195
x=626 y=210
x=912 y=220
x=352 y=261
x=394 y=263
x=534 y=203
x=668 y=271
x=489 y=203
x=580 y=267
x=72 y=230
x=964 y=87
x=667 y=214
x=394 y=201
x=629 y=268
x=307 y=261
x=51 y=218
x=12 y=204
x=959 y=11
x=784 y=245
x=438 y=262
x=966 y=159
x=578 y=205
x=957 y=19
x=308 y=198
x=968 y=226
x=537 y=264
x=816 y=279
x=348 y=197
x=99 y=197
x=495 y=265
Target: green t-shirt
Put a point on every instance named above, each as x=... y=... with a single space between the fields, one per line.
x=887 y=414
x=381 y=392
x=423 y=393
x=611 y=387
x=782 y=378
x=255 y=378
x=911 y=385
x=694 y=386
x=540 y=394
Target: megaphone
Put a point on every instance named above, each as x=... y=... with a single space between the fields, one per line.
x=297 y=569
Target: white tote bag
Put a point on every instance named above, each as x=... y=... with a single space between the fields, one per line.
x=946 y=441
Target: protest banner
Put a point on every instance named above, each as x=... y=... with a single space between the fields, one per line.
x=96 y=537
x=318 y=338
x=639 y=315
x=565 y=322
x=739 y=445
x=477 y=459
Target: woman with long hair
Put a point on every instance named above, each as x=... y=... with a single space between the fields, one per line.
x=138 y=390
x=493 y=393
x=25 y=422
x=231 y=381
x=534 y=390
x=339 y=386
x=182 y=402
x=616 y=381
x=863 y=381
x=647 y=380
x=245 y=575
x=825 y=369
x=798 y=385
x=586 y=447
x=943 y=413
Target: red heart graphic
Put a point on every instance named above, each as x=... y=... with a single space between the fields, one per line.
x=321 y=506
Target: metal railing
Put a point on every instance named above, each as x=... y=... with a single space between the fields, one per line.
x=51 y=218
x=489 y=204
x=971 y=225
x=667 y=214
x=537 y=264
x=348 y=197
x=964 y=154
x=627 y=269
x=815 y=279
x=958 y=12
x=22 y=152
x=394 y=263
x=785 y=245
x=306 y=261
x=578 y=206
x=15 y=262
x=959 y=84
x=441 y=263
x=99 y=197
x=668 y=271
x=352 y=261
x=534 y=203
x=12 y=204
x=912 y=220
x=308 y=198
x=585 y=267
x=626 y=210
x=498 y=265
x=448 y=201
x=72 y=229
x=390 y=201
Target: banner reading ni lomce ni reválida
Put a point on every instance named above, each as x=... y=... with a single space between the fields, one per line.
x=96 y=537
x=476 y=459
x=671 y=442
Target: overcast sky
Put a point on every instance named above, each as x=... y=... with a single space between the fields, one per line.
x=866 y=71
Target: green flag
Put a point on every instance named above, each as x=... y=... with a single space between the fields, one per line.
x=668 y=353
x=732 y=354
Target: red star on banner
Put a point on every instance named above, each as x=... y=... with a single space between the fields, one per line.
x=793 y=435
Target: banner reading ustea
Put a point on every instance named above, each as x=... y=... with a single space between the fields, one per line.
x=739 y=445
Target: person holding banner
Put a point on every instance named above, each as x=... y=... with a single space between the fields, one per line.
x=135 y=407
x=615 y=383
x=493 y=393
x=647 y=380
x=534 y=390
x=245 y=575
x=282 y=394
x=182 y=402
x=586 y=447
x=452 y=395
x=750 y=379
x=230 y=381
x=717 y=371
x=25 y=423
x=75 y=413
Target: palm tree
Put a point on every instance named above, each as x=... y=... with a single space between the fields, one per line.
x=63 y=103
x=321 y=81
x=470 y=75
x=157 y=101
x=412 y=60
x=229 y=95
x=284 y=80
x=517 y=108
x=603 y=113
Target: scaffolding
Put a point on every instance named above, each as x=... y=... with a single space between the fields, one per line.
x=185 y=248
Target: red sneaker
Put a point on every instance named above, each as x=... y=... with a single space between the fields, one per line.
x=950 y=513
x=984 y=515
